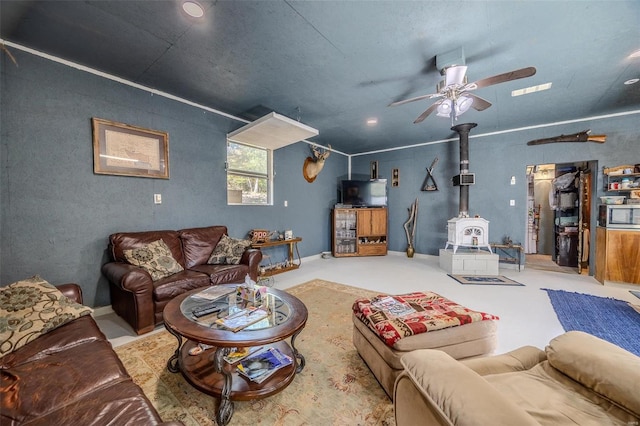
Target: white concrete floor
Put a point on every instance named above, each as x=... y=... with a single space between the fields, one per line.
x=526 y=315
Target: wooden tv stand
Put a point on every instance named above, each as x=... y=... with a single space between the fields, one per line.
x=359 y=232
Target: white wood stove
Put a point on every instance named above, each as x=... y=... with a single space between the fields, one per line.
x=468 y=232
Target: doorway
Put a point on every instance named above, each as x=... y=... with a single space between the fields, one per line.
x=558 y=234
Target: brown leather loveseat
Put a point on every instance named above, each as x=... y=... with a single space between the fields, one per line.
x=140 y=300
x=71 y=376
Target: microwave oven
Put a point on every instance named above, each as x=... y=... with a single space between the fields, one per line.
x=619 y=215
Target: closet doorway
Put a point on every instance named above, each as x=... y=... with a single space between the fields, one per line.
x=559 y=222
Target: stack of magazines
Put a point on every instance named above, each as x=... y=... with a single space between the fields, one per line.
x=260 y=365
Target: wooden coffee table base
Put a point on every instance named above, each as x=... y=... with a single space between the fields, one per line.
x=211 y=374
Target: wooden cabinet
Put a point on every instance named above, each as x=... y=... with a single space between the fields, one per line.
x=618 y=255
x=359 y=232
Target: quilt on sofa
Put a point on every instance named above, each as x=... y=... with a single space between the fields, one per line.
x=404 y=315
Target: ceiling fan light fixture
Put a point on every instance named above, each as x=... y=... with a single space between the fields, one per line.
x=444 y=109
x=463 y=104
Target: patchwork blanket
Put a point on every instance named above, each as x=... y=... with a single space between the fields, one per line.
x=393 y=317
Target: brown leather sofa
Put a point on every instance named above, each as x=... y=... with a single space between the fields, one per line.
x=71 y=376
x=140 y=300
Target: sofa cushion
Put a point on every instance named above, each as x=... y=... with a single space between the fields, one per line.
x=224 y=274
x=599 y=365
x=228 y=251
x=176 y=284
x=31 y=308
x=198 y=243
x=121 y=241
x=155 y=258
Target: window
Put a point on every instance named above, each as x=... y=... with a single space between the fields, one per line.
x=249 y=174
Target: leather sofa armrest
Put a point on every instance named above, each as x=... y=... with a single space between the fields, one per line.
x=434 y=384
x=520 y=359
x=72 y=291
x=252 y=258
x=128 y=277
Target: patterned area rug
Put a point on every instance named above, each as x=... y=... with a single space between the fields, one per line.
x=335 y=388
x=485 y=280
x=610 y=319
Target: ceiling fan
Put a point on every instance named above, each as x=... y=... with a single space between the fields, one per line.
x=455 y=95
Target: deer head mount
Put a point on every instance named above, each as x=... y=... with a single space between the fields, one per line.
x=312 y=166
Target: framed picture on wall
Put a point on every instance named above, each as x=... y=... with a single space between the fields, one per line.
x=125 y=150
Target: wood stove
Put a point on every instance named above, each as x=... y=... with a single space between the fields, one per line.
x=465 y=231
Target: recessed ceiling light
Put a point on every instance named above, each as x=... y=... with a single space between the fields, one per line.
x=632 y=81
x=193 y=9
x=532 y=89
x=372 y=121
x=635 y=54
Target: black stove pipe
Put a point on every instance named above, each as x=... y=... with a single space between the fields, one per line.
x=463 y=132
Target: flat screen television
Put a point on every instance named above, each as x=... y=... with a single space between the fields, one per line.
x=364 y=193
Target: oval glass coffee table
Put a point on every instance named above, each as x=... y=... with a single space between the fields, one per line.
x=208 y=371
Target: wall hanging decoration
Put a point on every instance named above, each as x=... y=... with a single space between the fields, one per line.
x=429 y=183
x=374 y=170
x=395 y=177
x=313 y=166
x=410 y=227
x=125 y=150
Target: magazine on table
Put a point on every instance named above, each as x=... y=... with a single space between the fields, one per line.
x=262 y=364
x=393 y=307
x=238 y=354
x=214 y=292
x=243 y=318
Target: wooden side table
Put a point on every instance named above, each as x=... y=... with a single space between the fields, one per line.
x=293 y=263
x=502 y=250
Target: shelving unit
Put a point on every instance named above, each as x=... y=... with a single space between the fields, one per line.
x=290 y=264
x=567 y=221
x=359 y=232
x=610 y=180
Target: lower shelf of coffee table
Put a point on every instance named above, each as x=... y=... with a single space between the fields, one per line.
x=199 y=371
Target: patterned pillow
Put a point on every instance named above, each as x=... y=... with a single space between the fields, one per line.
x=155 y=258
x=31 y=308
x=228 y=251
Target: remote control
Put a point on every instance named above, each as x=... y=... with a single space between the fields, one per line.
x=205 y=310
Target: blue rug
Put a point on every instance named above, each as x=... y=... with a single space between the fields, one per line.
x=610 y=319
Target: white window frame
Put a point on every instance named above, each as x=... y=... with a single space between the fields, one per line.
x=236 y=172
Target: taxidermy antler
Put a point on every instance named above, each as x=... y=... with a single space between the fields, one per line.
x=313 y=166
x=577 y=137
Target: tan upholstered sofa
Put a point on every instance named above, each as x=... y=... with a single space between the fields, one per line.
x=577 y=380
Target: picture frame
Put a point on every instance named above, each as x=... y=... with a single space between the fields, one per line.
x=126 y=150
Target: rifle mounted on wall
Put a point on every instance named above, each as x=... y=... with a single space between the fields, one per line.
x=576 y=137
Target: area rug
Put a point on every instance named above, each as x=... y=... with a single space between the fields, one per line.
x=485 y=280
x=610 y=319
x=335 y=387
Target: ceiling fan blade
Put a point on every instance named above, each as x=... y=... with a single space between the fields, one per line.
x=501 y=78
x=479 y=104
x=417 y=98
x=427 y=112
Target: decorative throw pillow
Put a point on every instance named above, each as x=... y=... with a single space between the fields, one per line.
x=31 y=308
x=155 y=258
x=228 y=251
